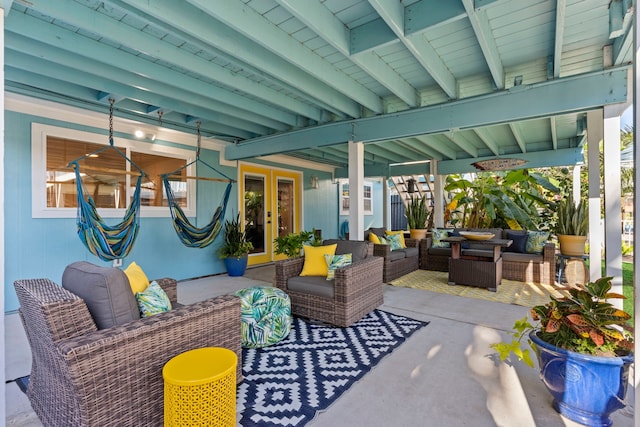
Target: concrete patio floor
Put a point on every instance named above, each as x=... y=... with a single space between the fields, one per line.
x=444 y=375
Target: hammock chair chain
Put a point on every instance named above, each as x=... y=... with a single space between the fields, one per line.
x=105 y=241
x=111 y=101
x=190 y=234
x=199 y=140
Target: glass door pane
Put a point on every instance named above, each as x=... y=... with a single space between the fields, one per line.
x=286 y=207
x=254 y=212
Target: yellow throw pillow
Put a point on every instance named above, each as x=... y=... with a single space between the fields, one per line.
x=374 y=238
x=401 y=233
x=137 y=279
x=314 y=261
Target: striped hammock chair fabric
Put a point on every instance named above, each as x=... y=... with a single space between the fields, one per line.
x=104 y=241
x=190 y=235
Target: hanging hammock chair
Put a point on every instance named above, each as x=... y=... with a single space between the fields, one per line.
x=189 y=234
x=105 y=241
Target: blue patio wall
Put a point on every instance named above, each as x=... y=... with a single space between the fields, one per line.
x=37 y=247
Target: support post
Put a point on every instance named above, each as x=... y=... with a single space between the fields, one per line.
x=438 y=195
x=2 y=217
x=612 y=201
x=356 y=190
x=595 y=122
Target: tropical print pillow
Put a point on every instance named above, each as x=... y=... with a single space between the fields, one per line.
x=395 y=240
x=436 y=238
x=399 y=233
x=336 y=261
x=153 y=300
x=265 y=316
x=536 y=241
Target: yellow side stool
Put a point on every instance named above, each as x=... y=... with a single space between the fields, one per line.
x=200 y=388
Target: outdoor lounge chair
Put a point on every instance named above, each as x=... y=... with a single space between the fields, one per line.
x=85 y=376
x=355 y=291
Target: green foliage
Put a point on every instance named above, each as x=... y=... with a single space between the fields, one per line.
x=521 y=330
x=582 y=322
x=573 y=219
x=291 y=244
x=417 y=213
x=235 y=242
x=627 y=249
x=515 y=199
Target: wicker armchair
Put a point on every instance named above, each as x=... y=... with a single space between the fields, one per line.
x=82 y=376
x=400 y=262
x=356 y=289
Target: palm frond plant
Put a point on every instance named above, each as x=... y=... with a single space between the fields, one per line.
x=512 y=199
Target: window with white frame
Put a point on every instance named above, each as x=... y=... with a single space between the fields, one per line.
x=106 y=175
x=344 y=197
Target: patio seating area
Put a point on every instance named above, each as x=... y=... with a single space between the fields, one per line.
x=445 y=373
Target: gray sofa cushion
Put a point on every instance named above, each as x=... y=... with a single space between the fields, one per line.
x=440 y=251
x=314 y=285
x=378 y=231
x=357 y=248
x=409 y=252
x=105 y=290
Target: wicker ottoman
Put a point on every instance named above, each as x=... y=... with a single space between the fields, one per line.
x=265 y=316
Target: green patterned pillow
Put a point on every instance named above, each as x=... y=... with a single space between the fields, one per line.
x=153 y=300
x=383 y=241
x=395 y=240
x=536 y=241
x=436 y=238
x=336 y=261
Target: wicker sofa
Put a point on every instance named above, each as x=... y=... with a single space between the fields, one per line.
x=523 y=267
x=85 y=376
x=355 y=291
x=399 y=262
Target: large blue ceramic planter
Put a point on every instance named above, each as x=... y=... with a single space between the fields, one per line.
x=236 y=266
x=585 y=389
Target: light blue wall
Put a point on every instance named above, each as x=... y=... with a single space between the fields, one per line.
x=37 y=247
x=321 y=205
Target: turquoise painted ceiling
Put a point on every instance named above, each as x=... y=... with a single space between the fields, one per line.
x=455 y=80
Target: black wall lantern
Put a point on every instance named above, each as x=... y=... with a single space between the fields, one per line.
x=411 y=185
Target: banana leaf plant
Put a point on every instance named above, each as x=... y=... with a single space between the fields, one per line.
x=515 y=199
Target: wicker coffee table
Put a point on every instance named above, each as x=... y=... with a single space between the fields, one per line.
x=480 y=271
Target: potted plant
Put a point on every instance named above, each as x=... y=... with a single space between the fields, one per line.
x=572 y=225
x=235 y=247
x=583 y=350
x=417 y=216
x=291 y=244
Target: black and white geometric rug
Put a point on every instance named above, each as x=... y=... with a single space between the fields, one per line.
x=287 y=384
